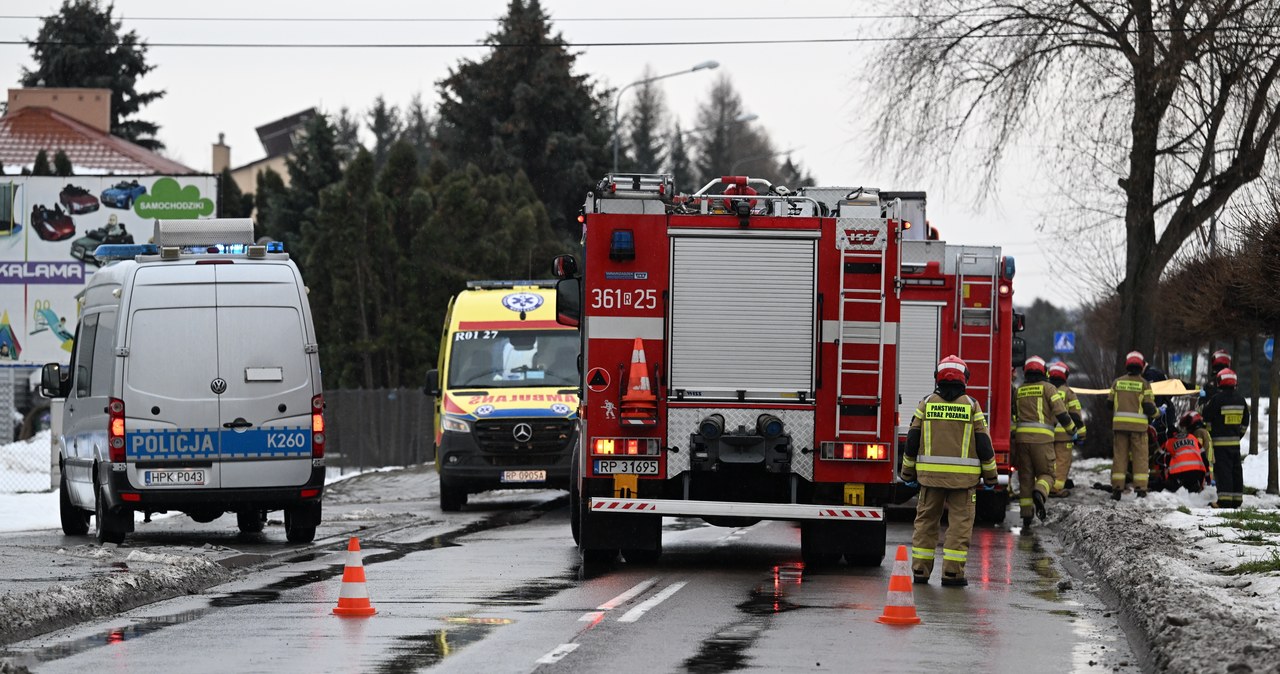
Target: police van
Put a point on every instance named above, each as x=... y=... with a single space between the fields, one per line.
x=506 y=391
x=194 y=386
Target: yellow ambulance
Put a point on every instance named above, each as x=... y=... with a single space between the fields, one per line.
x=506 y=391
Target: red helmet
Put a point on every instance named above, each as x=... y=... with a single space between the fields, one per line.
x=1134 y=358
x=951 y=368
x=1221 y=357
x=1034 y=364
x=1059 y=370
x=1227 y=377
x=1190 y=418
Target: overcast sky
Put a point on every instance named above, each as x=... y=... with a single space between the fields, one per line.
x=808 y=96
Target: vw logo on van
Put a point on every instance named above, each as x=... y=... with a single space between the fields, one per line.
x=522 y=432
x=218 y=385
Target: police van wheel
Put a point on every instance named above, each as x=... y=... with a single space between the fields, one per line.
x=109 y=529
x=299 y=526
x=251 y=521
x=452 y=495
x=75 y=521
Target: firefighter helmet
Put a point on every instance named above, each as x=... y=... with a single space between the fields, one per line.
x=1189 y=419
x=1227 y=377
x=1034 y=364
x=1221 y=359
x=1135 y=358
x=1059 y=370
x=951 y=368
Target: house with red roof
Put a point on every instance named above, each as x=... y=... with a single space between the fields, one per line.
x=77 y=122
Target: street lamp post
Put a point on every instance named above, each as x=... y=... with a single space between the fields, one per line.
x=617 y=103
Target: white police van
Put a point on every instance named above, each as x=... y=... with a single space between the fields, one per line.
x=194 y=386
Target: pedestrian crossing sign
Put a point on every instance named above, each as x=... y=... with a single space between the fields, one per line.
x=1064 y=342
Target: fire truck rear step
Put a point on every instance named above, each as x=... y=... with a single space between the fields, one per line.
x=768 y=511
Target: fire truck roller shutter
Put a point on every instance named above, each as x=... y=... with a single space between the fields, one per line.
x=742 y=315
x=917 y=356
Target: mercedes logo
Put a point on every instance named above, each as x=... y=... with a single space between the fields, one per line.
x=522 y=432
x=219 y=385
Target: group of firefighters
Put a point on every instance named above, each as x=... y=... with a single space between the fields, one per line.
x=949 y=454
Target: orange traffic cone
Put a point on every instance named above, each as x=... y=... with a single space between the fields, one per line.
x=639 y=405
x=900 y=607
x=354 y=598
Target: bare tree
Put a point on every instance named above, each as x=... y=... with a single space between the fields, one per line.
x=1174 y=102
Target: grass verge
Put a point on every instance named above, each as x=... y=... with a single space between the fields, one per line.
x=1258 y=565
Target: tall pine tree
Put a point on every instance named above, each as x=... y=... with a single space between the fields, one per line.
x=522 y=108
x=81 y=46
x=385 y=125
x=645 y=153
x=314 y=165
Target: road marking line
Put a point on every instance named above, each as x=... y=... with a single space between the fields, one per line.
x=639 y=611
x=626 y=596
x=591 y=616
x=557 y=654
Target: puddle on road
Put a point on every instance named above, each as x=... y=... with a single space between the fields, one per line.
x=725 y=651
x=531 y=593
x=1046 y=571
x=273 y=591
x=420 y=651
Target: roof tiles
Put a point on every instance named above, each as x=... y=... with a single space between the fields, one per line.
x=25 y=132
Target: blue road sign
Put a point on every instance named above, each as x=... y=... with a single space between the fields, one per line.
x=1269 y=347
x=1064 y=342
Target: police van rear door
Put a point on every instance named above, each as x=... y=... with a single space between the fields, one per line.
x=170 y=376
x=265 y=411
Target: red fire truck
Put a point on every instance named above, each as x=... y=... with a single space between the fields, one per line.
x=958 y=299
x=741 y=361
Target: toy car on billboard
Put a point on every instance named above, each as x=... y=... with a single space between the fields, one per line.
x=77 y=200
x=113 y=232
x=52 y=224
x=123 y=194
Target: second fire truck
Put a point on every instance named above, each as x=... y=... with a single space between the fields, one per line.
x=746 y=356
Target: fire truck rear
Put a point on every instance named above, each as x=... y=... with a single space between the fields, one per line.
x=958 y=300
x=740 y=354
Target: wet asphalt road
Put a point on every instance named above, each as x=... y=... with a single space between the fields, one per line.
x=495 y=589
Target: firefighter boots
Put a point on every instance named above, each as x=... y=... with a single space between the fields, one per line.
x=1026 y=522
x=1116 y=494
x=1142 y=493
x=1040 y=510
x=953 y=580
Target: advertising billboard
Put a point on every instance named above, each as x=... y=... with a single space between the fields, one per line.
x=49 y=228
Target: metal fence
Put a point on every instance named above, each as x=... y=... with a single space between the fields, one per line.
x=366 y=429
x=375 y=428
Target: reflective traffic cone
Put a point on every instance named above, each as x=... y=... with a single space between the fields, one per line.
x=639 y=405
x=900 y=607
x=354 y=598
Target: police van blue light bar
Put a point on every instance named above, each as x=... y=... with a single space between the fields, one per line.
x=124 y=251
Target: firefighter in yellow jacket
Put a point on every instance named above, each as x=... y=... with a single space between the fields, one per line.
x=1133 y=407
x=1062 y=443
x=948 y=449
x=1038 y=404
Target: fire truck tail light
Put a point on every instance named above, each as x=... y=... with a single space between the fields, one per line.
x=854 y=451
x=624 y=447
x=1004 y=288
x=906 y=224
x=1002 y=457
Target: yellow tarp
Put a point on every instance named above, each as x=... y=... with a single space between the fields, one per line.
x=1168 y=387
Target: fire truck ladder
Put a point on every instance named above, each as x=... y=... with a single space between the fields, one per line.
x=860 y=332
x=977 y=280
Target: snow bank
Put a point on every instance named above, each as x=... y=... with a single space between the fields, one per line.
x=24 y=465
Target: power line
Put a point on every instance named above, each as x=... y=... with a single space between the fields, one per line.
x=584 y=19
x=649 y=43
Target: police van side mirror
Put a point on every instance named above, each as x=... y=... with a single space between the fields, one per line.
x=1019 y=351
x=53 y=383
x=564 y=266
x=433 y=384
x=569 y=301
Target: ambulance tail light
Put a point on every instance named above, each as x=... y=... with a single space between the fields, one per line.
x=317 y=426
x=115 y=429
x=624 y=447
x=854 y=451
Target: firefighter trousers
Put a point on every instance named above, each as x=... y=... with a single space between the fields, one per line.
x=1061 y=464
x=924 y=540
x=1229 y=473
x=1035 y=473
x=1129 y=446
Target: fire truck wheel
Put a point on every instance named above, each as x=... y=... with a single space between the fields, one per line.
x=575 y=503
x=595 y=562
x=815 y=550
x=866 y=547
x=991 y=506
x=452 y=495
x=642 y=557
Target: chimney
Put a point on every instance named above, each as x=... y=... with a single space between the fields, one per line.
x=89 y=106
x=221 y=154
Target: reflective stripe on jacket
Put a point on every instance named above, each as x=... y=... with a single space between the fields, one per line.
x=1073 y=405
x=948 y=456
x=1037 y=406
x=1184 y=454
x=1128 y=393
